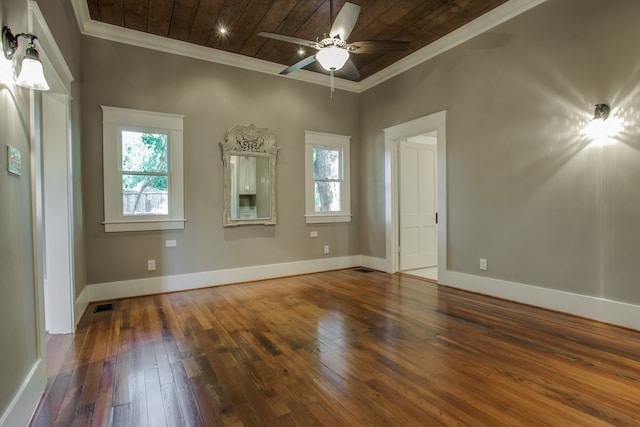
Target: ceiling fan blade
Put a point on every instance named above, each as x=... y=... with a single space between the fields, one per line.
x=289 y=39
x=350 y=71
x=378 y=46
x=345 y=21
x=300 y=64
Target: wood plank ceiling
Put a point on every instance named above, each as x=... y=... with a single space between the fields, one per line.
x=420 y=22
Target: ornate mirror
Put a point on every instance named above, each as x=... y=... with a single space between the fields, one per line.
x=249 y=158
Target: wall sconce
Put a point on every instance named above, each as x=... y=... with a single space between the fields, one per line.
x=31 y=73
x=601 y=130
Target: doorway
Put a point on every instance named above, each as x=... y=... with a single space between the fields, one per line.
x=431 y=127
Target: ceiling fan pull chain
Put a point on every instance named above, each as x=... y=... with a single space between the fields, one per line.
x=332 y=82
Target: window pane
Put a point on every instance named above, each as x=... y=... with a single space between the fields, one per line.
x=144 y=195
x=326 y=163
x=327 y=196
x=144 y=152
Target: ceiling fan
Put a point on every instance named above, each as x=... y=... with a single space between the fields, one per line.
x=333 y=49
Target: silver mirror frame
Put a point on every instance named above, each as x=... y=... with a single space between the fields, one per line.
x=248 y=140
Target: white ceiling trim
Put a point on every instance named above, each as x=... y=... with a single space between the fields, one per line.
x=115 y=33
x=474 y=28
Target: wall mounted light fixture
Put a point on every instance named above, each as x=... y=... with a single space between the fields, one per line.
x=31 y=73
x=604 y=127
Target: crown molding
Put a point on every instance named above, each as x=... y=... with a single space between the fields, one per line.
x=115 y=33
x=472 y=29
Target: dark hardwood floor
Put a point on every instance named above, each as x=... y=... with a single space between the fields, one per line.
x=336 y=349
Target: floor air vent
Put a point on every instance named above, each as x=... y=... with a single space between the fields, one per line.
x=104 y=307
x=363 y=270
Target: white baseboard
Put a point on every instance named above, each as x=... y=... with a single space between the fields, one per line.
x=604 y=310
x=613 y=312
x=379 y=264
x=182 y=282
x=80 y=305
x=26 y=400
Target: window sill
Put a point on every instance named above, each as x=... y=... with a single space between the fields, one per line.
x=317 y=219
x=144 y=225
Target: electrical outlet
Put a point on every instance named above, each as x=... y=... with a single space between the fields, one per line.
x=483 y=263
x=313 y=234
x=326 y=249
x=151 y=264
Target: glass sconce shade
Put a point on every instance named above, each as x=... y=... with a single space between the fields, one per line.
x=31 y=74
x=31 y=71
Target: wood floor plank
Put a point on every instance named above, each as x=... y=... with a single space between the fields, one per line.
x=339 y=348
x=184 y=394
x=153 y=393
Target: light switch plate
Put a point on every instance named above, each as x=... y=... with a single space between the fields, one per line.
x=170 y=243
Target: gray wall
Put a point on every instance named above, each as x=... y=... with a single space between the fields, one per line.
x=525 y=188
x=213 y=98
x=17 y=290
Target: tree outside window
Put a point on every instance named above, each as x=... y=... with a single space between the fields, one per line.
x=327 y=184
x=328 y=179
x=144 y=173
x=143 y=168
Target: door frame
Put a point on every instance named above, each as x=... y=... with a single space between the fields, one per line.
x=59 y=278
x=392 y=136
x=59 y=77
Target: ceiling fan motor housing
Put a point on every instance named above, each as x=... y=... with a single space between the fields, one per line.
x=333 y=41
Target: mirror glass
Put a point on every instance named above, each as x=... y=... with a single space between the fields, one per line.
x=250 y=187
x=249 y=157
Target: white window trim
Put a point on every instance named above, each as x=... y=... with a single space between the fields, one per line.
x=115 y=119
x=331 y=141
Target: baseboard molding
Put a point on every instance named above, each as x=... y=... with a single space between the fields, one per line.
x=26 y=400
x=601 y=309
x=80 y=305
x=379 y=264
x=613 y=312
x=183 y=282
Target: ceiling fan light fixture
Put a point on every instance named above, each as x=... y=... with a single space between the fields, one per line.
x=332 y=57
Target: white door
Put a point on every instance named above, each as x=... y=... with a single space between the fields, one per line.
x=418 y=205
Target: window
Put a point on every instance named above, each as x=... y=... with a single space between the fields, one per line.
x=327 y=192
x=143 y=182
